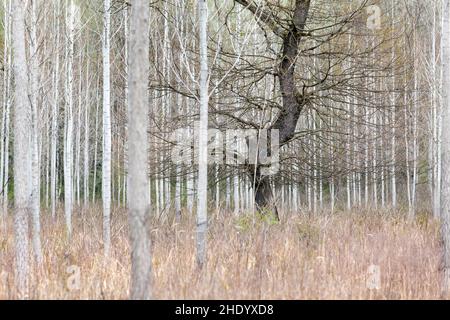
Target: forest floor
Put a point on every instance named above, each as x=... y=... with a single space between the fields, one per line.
x=340 y=256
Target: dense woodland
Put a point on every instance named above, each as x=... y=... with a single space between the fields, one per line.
x=105 y=107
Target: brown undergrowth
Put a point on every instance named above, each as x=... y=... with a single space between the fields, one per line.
x=302 y=257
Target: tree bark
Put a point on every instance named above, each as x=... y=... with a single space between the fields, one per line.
x=35 y=196
x=6 y=106
x=106 y=163
x=264 y=197
x=68 y=140
x=139 y=202
x=202 y=183
x=293 y=100
x=54 y=124
x=22 y=147
x=445 y=187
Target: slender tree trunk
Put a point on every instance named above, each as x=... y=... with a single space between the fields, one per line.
x=236 y=192
x=375 y=161
x=35 y=196
x=445 y=188
x=94 y=185
x=347 y=159
x=439 y=126
x=190 y=185
x=77 y=181
x=382 y=152
x=393 y=126
x=86 y=141
x=366 y=156
x=415 y=153
x=407 y=157
x=54 y=126
x=166 y=112
x=6 y=106
x=5 y=88
x=125 y=151
x=139 y=204
x=434 y=156
x=106 y=168
x=202 y=199
x=22 y=146
x=228 y=192
x=68 y=147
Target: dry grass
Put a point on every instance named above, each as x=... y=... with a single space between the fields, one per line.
x=303 y=257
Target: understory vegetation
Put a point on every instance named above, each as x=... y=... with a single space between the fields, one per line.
x=305 y=256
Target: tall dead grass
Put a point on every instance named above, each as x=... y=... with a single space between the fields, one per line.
x=302 y=257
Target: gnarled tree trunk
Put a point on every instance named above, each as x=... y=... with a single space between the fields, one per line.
x=293 y=99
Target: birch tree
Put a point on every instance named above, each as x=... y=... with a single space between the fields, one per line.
x=68 y=133
x=54 y=116
x=34 y=78
x=139 y=204
x=393 y=124
x=106 y=169
x=445 y=187
x=202 y=182
x=7 y=83
x=22 y=147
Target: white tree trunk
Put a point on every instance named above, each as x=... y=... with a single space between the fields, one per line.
x=366 y=156
x=54 y=126
x=435 y=111
x=445 y=188
x=6 y=107
x=393 y=124
x=5 y=90
x=228 y=192
x=236 y=192
x=139 y=202
x=374 y=161
x=77 y=128
x=439 y=130
x=383 y=154
x=22 y=146
x=35 y=195
x=166 y=112
x=415 y=152
x=407 y=155
x=125 y=151
x=68 y=147
x=106 y=167
x=94 y=189
x=86 y=142
x=202 y=200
